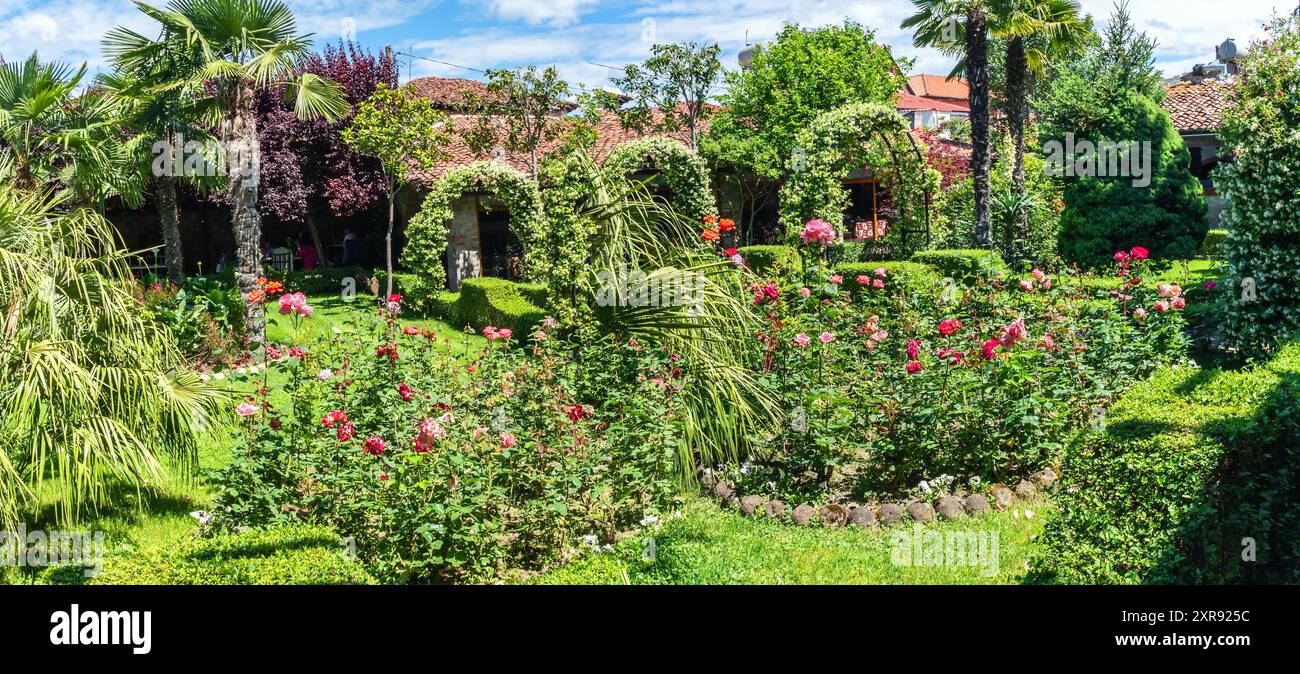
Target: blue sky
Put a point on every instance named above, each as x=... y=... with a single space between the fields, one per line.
x=575 y=34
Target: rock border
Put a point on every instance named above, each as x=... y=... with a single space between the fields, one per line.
x=945 y=507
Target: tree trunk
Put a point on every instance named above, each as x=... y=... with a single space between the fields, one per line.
x=240 y=129
x=977 y=72
x=1017 y=106
x=321 y=257
x=388 y=242
x=169 y=215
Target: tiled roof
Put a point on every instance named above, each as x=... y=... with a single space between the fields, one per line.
x=907 y=103
x=938 y=86
x=448 y=93
x=1197 y=107
x=609 y=134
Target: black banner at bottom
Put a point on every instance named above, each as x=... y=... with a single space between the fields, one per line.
x=178 y=624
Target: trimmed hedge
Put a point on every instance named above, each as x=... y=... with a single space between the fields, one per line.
x=965 y=266
x=325 y=280
x=501 y=303
x=283 y=556
x=778 y=262
x=1210 y=248
x=1192 y=464
x=909 y=277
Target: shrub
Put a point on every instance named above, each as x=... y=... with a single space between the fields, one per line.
x=1191 y=463
x=1263 y=214
x=420 y=295
x=500 y=303
x=326 y=280
x=777 y=262
x=1212 y=247
x=908 y=380
x=448 y=472
x=900 y=277
x=964 y=266
x=295 y=555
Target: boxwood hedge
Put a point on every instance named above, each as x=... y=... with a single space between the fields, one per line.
x=1194 y=473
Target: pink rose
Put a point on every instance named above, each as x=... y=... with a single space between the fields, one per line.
x=802 y=340
x=508 y=440
x=246 y=410
x=826 y=338
x=915 y=367
x=818 y=232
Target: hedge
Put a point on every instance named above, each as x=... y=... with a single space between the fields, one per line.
x=325 y=280
x=1210 y=248
x=501 y=303
x=910 y=277
x=283 y=556
x=965 y=266
x=778 y=262
x=1191 y=467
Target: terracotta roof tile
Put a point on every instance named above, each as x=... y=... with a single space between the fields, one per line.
x=908 y=102
x=1197 y=107
x=938 y=86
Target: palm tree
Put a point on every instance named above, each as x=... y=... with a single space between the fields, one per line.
x=160 y=118
x=1036 y=31
x=636 y=231
x=53 y=135
x=961 y=28
x=93 y=398
x=237 y=48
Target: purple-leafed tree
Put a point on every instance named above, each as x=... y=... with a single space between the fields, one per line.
x=305 y=163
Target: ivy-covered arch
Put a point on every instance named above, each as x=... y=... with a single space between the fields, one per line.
x=847 y=138
x=683 y=169
x=427 y=232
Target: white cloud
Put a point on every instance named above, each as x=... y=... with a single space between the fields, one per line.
x=554 y=12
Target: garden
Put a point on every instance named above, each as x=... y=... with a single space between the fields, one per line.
x=1074 y=375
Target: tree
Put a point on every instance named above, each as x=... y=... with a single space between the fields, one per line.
x=962 y=27
x=160 y=120
x=55 y=136
x=238 y=48
x=93 y=396
x=674 y=82
x=1036 y=31
x=305 y=161
x=401 y=129
x=518 y=112
x=1102 y=108
x=788 y=84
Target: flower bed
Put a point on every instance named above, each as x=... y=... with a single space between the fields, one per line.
x=888 y=382
x=446 y=472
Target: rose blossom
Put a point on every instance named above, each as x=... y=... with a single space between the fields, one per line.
x=802 y=339
x=508 y=440
x=374 y=445
x=245 y=410
x=915 y=367
x=818 y=232
x=826 y=338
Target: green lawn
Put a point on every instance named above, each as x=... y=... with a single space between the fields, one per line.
x=162 y=517
x=709 y=546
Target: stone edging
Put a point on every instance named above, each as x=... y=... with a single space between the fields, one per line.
x=948 y=506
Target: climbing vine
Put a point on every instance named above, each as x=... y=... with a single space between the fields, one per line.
x=848 y=138
x=683 y=170
x=426 y=245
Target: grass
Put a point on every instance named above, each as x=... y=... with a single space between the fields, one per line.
x=161 y=517
x=711 y=546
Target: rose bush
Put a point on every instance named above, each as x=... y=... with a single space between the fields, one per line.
x=983 y=382
x=447 y=465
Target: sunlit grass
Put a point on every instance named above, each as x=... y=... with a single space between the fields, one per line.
x=709 y=546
